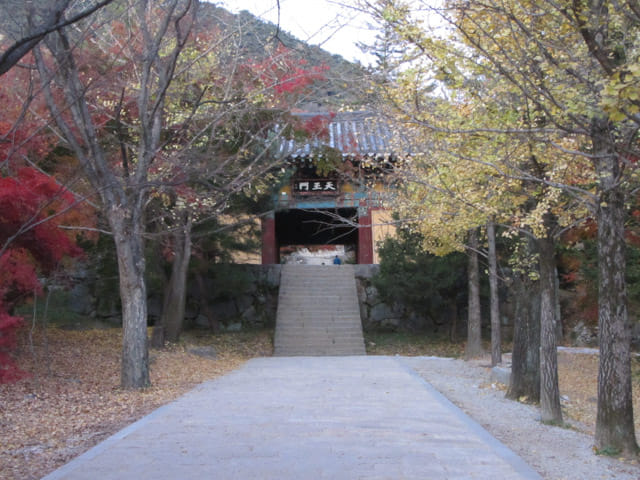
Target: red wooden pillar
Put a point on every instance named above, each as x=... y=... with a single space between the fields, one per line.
x=365 y=236
x=270 y=253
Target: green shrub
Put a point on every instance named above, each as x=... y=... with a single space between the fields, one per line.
x=427 y=286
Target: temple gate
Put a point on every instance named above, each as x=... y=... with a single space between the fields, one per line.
x=333 y=200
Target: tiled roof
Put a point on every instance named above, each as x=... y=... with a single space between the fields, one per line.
x=360 y=134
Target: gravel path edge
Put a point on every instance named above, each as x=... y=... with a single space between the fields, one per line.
x=555 y=453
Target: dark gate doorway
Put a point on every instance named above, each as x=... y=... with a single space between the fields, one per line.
x=314 y=229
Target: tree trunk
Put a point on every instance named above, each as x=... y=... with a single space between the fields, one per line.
x=123 y=192
x=614 y=423
x=525 y=360
x=133 y=293
x=474 y=321
x=549 y=387
x=559 y=328
x=496 y=336
x=175 y=293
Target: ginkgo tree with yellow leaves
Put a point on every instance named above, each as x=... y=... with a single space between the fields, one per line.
x=569 y=72
x=448 y=198
x=476 y=175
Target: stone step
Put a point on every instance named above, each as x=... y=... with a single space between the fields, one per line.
x=352 y=346
x=297 y=341
x=302 y=346
x=292 y=328
x=302 y=315
x=318 y=312
x=288 y=332
x=311 y=328
x=320 y=307
x=317 y=340
x=319 y=353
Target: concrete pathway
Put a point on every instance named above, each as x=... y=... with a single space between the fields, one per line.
x=302 y=418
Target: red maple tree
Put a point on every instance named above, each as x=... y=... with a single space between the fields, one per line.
x=33 y=245
x=32 y=206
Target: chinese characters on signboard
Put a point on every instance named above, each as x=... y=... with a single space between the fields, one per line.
x=315 y=187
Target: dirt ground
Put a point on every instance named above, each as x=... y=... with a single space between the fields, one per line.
x=71 y=400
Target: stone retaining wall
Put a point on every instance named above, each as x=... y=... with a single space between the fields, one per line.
x=256 y=301
x=375 y=314
x=248 y=299
x=255 y=305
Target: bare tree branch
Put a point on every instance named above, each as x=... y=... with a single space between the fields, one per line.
x=19 y=49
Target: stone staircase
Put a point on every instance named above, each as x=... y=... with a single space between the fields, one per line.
x=318 y=312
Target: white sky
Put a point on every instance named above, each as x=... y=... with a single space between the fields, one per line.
x=326 y=23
